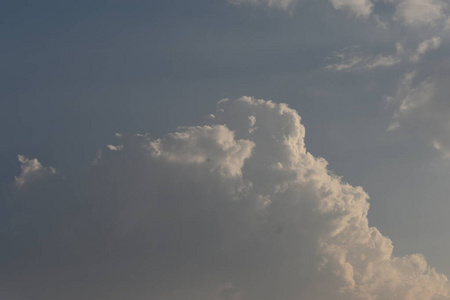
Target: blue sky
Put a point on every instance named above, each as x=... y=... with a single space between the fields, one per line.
x=368 y=78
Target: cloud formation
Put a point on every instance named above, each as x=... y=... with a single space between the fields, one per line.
x=235 y=209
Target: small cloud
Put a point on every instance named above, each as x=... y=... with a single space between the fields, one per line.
x=361 y=8
x=420 y=12
x=31 y=170
x=115 y=148
x=381 y=24
x=424 y=47
x=393 y=126
x=351 y=59
x=281 y=4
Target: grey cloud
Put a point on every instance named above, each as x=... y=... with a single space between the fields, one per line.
x=236 y=209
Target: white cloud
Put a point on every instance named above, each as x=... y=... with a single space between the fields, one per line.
x=237 y=209
x=419 y=12
x=362 y=8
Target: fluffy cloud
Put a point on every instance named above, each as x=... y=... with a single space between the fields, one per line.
x=422 y=107
x=215 y=144
x=236 y=209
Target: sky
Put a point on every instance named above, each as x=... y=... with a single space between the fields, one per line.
x=224 y=149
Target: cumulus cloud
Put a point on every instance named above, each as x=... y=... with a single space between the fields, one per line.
x=422 y=107
x=236 y=209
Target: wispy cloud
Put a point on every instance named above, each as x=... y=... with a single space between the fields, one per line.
x=361 y=8
x=283 y=4
x=420 y=12
x=422 y=107
x=351 y=59
x=424 y=47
